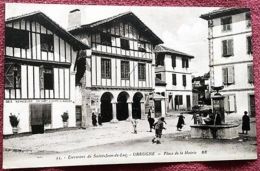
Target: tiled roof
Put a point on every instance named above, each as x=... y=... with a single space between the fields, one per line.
x=143 y=27
x=159 y=82
x=163 y=49
x=223 y=12
x=53 y=26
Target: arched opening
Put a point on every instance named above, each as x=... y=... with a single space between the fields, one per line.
x=122 y=106
x=136 y=107
x=106 y=107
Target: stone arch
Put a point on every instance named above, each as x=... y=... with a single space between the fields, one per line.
x=106 y=106
x=122 y=106
x=136 y=106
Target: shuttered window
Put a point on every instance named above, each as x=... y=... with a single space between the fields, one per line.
x=16 y=38
x=174 y=79
x=250 y=74
x=141 y=72
x=249 y=44
x=185 y=63
x=228 y=75
x=12 y=75
x=230 y=103
x=125 y=70
x=173 y=61
x=47 y=42
x=227 y=48
x=106 y=68
x=226 y=23
x=46 y=78
x=184 y=81
x=40 y=114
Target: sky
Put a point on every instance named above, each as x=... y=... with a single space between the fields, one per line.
x=180 y=28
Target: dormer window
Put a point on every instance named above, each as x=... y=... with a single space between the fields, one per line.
x=124 y=44
x=226 y=23
x=16 y=38
x=106 y=40
x=47 y=43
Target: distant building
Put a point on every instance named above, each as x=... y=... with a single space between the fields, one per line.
x=173 y=68
x=230 y=57
x=40 y=57
x=120 y=72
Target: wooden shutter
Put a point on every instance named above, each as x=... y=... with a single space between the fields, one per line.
x=187 y=63
x=232 y=103
x=250 y=74
x=225 y=76
x=249 y=45
x=230 y=51
x=224 y=48
x=9 y=76
x=46 y=112
x=36 y=114
x=41 y=77
x=231 y=75
x=184 y=80
x=226 y=104
x=183 y=63
x=174 y=81
x=173 y=61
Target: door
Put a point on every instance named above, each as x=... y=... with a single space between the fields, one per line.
x=158 y=108
x=188 y=102
x=78 y=116
x=252 y=105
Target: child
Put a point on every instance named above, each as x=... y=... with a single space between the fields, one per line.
x=94 y=119
x=158 y=126
x=180 y=122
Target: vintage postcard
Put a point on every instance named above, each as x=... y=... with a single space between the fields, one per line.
x=92 y=85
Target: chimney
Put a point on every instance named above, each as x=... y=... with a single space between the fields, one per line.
x=74 y=18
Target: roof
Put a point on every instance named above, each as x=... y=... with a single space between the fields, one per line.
x=53 y=26
x=159 y=82
x=163 y=49
x=223 y=12
x=129 y=14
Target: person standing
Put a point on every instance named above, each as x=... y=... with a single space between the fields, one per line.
x=94 y=119
x=180 y=122
x=245 y=123
x=100 y=119
x=134 y=123
x=150 y=120
x=158 y=126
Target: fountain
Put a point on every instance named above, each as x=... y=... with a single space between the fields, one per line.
x=215 y=126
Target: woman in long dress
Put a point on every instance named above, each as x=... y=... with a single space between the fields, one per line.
x=180 y=122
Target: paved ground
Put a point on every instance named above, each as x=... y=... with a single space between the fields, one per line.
x=75 y=146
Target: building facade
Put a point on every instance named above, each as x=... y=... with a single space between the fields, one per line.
x=230 y=58
x=39 y=73
x=120 y=72
x=173 y=68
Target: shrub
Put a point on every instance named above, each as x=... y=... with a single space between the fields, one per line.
x=14 y=121
x=65 y=116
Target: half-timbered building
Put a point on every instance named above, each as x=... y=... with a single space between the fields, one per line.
x=120 y=72
x=39 y=73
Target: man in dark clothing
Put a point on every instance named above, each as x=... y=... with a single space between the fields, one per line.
x=245 y=123
x=94 y=119
x=150 y=120
x=158 y=126
x=180 y=122
x=100 y=119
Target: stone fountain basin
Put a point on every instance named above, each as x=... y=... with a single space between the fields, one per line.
x=224 y=131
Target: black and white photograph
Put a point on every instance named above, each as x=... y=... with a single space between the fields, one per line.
x=99 y=85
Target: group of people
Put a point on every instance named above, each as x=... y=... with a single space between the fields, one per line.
x=96 y=119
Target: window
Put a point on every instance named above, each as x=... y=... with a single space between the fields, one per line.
x=141 y=47
x=141 y=71
x=159 y=76
x=250 y=74
x=185 y=63
x=106 y=68
x=173 y=61
x=12 y=75
x=17 y=38
x=249 y=44
x=160 y=59
x=47 y=42
x=125 y=70
x=184 y=82
x=106 y=39
x=248 y=19
x=124 y=44
x=230 y=103
x=228 y=75
x=227 y=48
x=226 y=23
x=174 y=79
x=46 y=78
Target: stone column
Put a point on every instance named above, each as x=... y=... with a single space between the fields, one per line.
x=163 y=107
x=114 y=119
x=142 y=109
x=130 y=117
